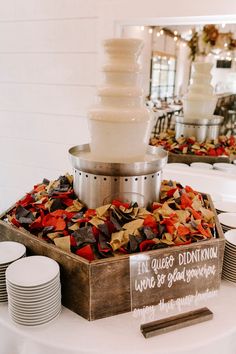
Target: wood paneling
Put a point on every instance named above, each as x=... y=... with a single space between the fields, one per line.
x=66 y=35
x=35 y=9
x=48 y=99
x=48 y=68
x=59 y=129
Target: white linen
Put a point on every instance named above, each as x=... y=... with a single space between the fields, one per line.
x=71 y=334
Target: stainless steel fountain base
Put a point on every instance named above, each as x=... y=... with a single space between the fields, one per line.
x=98 y=183
x=201 y=129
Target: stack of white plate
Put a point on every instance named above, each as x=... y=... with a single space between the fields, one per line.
x=225 y=167
x=34 y=290
x=227 y=221
x=225 y=206
x=229 y=265
x=202 y=165
x=9 y=252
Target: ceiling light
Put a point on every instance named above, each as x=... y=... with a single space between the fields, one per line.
x=190 y=32
x=158 y=34
x=175 y=33
x=223 y=25
x=161 y=32
x=150 y=30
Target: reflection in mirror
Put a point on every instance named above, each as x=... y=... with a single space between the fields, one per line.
x=167 y=59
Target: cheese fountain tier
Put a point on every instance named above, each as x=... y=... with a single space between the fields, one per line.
x=118 y=163
x=199 y=105
x=120 y=124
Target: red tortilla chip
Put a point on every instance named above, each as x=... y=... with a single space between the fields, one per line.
x=86 y=252
x=185 y=201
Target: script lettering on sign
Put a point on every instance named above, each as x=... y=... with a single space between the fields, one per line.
x=172 y=274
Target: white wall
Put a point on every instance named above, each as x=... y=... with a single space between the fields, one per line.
x=48 y=55
x=48 y=71
x=225 y=79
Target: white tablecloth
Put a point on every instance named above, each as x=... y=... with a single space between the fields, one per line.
x=70 y=333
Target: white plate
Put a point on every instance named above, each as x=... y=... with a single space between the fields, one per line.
x=228 y=207
x=39 y=304
x=202 y=165
x=10 y=251
x=228 y=219
x=35 y=315
x=3 y=294
x=35 y=311
x=33 y=289
x=229 y=246
x=36 y=295
x=32 y=271
x=20 y=310
x=228 y=278
x=225 y=167
x=37 y=323
x=230 y=236
x=229 y=275
x=35 y=299
x=229 y=266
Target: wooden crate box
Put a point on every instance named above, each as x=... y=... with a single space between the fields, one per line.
x=102 y=288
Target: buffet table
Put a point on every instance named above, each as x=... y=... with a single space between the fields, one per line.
x=71 y=334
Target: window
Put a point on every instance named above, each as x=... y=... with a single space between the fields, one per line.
x=162 y=76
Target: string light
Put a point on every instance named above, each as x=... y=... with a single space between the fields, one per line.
x=226 y=45
x=190 y=32
x=161 y=32
x=150 y=30
x=175 y=38
x=142 y=28
x=175 y=33
x=158 y=34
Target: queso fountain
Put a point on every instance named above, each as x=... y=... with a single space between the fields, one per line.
x=199 y=105
x=119 y=163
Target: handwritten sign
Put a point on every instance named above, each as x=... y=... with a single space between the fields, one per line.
x=173 y=274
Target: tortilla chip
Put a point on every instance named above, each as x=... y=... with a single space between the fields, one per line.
x=102 y=210
x=63 y=243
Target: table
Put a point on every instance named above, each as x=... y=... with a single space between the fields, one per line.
x=71 y=334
